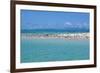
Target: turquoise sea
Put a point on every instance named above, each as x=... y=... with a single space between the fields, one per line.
x=53 y=49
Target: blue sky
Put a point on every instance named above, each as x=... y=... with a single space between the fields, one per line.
x=31 y=19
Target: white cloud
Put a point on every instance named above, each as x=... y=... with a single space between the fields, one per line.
x=68 y=23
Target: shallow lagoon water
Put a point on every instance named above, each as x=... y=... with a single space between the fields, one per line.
x=53 y=49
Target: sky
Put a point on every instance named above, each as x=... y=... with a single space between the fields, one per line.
x=32 y=19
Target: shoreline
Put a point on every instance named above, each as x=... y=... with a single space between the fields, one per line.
x=68 y=36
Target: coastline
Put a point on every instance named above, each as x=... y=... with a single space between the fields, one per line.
x=68 y=36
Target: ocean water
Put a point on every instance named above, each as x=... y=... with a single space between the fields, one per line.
x=53 y=49
x=54 y=31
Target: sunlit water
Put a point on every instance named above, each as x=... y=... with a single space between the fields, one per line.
x=52 y=49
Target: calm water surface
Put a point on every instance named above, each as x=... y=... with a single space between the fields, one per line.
x=49 y=49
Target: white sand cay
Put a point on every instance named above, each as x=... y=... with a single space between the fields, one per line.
x=76 y=36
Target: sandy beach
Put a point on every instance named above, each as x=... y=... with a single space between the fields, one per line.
x=70 y=36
